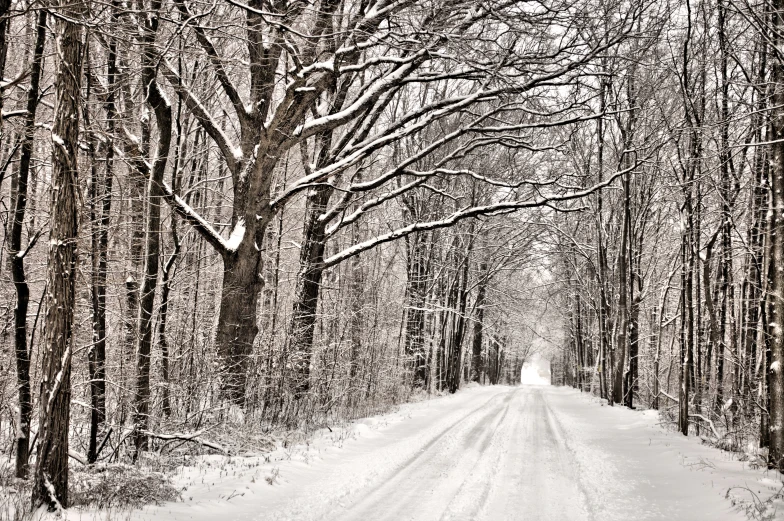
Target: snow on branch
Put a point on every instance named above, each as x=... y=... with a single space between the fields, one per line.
x=466 y=213
x=368 y=96
x=192 y=437
x=205 y=229
x=367 y=205
x=231 y=154
x=710 y=423
x=13 y=113
x=358 y=152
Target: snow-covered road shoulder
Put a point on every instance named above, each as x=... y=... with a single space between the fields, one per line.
x=516 y=453
x=640 y=465
x=305 y=480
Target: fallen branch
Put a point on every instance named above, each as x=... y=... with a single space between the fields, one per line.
x=194 y=437
x=709 y=422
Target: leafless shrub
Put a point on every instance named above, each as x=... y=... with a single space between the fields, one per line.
x=119 y=486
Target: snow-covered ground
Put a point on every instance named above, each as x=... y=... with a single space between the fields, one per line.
x=490 y=453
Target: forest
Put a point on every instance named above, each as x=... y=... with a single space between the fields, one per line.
x=228 y=218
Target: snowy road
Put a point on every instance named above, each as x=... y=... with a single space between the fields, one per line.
x=505 y=459
x=492 y=453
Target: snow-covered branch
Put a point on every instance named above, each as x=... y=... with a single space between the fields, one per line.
x=466 y=213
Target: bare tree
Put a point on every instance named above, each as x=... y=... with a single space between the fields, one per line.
x=51 y=472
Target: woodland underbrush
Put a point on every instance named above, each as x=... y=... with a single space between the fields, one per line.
x=726 y=430
x=113 y=487
x=737 y=434
x=120 y=480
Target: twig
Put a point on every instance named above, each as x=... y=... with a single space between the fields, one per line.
x=194 y=437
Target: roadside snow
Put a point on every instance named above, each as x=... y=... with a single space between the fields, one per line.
x=493 y=453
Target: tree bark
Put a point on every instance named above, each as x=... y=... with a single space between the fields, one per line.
x=303 y=319
x=477 y=368
x=100 y=207
x=416 y=289
x=51 y=475
x=237 y=326
x=17 y=253
x=605 y=365
x=460 y=316
x=621 y=345
x=163 y=118
x=776 y=237
x=5 y=6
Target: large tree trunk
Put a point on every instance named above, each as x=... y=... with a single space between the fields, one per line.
x=356 y=322
x=167 y=271
x=725 y=293
x=17 y=253
x=655 y=347
x=765 y=359
x=135 y=258
x=416 y=289
x=580 y=358
x=755 y=330
x=621 y=344
x=605 y=365
x=687 y=321
x=725 y=166
x=51 y=474
x=164 y=314
x=634 y=348
x=237 y=321
x=460 y=318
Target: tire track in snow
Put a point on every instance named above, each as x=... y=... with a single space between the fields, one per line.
x=537 y=479
x=426 y=483
x=472 y=499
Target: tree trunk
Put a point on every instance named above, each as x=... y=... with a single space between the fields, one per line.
x=687 y=321
x=416 y=288
x=656 y=349
x=17 y=253
x=303 y=318
x=621 y=345
x=605 y=365
x=5 y=6
x=476 y=349
x=168 y=270
x=99 y=221
x=163 y=119
x=237 y=326
x=51 y=474
x=634 y=347
x=776 y=234
x=459 y=329
x=356 y=319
